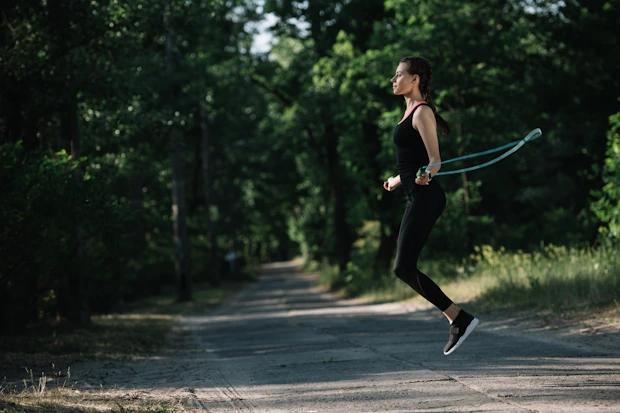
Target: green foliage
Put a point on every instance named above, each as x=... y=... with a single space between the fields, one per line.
x=493 y=66
x=456 y=230
x=93 y=79
x=607 y=206
x=500 y=69
x=300 y=138
x=46 y=199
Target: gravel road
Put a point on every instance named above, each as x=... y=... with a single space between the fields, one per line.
x=281 y=345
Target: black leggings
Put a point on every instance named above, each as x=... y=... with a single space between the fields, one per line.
x=424 y=206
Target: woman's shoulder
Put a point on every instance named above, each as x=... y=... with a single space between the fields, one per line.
x=424 y=115
x=423 y=106
x=422 y=111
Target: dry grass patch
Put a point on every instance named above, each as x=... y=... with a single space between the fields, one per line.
x=35 y=373
x=205 y=299
x=117 y=336
x=137 y=329
x=64 y=400
x=47 y=395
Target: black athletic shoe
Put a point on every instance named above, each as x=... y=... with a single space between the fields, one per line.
x=460 y=328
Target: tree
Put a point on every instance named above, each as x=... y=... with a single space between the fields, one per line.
x=315 y=99
x=607 y=201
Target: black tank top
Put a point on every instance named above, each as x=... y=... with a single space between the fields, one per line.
x=411 y=153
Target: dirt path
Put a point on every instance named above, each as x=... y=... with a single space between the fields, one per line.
x=282 y=346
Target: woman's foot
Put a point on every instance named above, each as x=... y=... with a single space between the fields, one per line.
x=461 y=327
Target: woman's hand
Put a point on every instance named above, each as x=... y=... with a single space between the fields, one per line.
x=422 y=180
x=391 y=183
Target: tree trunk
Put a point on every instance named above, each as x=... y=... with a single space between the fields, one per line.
x=136 y=196
x=73 y=292
x=337 y=195
x=387 y=242
x=388 y=229
x=208 y=197
x=72 y=287
x=181 y=243
x=17 y=114
x=466 y=202
x=465 y=192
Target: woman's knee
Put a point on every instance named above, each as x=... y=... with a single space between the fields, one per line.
x=401 y=272
x=411 y=277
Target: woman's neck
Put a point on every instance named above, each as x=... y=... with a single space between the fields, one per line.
x=412 y=98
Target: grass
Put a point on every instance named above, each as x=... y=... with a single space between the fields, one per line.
x=555 y=279
x=59 y=397
x=70 y=401
x=135 y=330
x=114 y=336
x=205 y=299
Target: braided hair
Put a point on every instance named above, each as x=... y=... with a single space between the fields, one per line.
x=417 y=65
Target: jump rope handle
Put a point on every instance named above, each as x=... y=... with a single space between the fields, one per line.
x=422 y=171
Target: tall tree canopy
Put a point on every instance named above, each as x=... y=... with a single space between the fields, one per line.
x=142 y=141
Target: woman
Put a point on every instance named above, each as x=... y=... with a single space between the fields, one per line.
x=417 y=146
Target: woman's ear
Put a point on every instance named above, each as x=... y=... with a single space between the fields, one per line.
x=414 y=78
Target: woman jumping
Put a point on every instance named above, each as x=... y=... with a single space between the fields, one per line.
x=417 y=146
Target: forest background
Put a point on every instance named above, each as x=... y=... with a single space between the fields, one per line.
x=141 y=141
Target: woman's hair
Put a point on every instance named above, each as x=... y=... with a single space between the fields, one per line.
x=418 y=65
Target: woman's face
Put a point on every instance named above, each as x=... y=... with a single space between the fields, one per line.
x=402 y=81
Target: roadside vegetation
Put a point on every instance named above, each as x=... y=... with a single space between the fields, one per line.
x=582 y=280
x=40 y=360
x=553 y=279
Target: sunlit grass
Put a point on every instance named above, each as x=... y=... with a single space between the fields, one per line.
x=56 y=394
x=555 y=279
x=65 y=400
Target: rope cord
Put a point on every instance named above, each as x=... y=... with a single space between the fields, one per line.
x=536 y=133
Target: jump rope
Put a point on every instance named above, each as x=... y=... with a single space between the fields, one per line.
x=536 y=133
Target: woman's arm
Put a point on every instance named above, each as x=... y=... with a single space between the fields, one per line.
x=424 y=122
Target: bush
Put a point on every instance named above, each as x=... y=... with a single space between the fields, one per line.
x=607 y=205
x=62 y=233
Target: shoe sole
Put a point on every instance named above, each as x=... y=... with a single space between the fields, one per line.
x=471 y=327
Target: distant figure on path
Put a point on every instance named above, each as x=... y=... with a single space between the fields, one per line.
x=231 y=258
x=417 y=146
